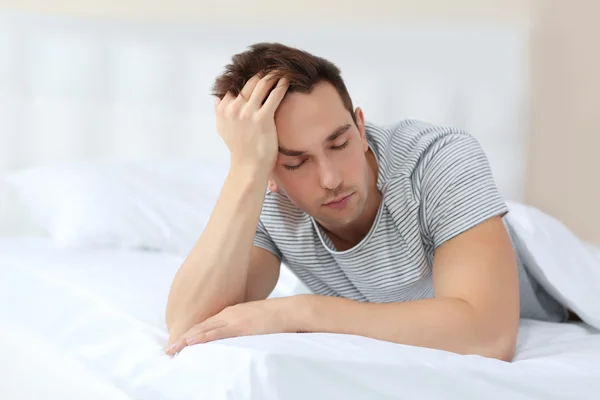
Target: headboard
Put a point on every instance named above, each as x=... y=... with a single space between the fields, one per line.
x=75 y=89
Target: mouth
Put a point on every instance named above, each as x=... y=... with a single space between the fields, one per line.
x=339 y=202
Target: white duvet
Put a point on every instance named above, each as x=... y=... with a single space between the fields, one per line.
x=103 y=310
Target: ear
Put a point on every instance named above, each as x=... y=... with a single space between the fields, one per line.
x=360 y=124
x=273 y=187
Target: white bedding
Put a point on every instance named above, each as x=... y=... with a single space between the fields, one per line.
x=103 y=310
x=31 y=369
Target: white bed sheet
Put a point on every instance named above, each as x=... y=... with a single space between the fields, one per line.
x=104 y=310
x=30 y=369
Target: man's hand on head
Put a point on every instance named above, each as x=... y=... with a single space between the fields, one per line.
x=244 y=319
x=246 y=122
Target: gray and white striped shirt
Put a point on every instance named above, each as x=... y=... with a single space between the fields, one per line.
x=436 y=183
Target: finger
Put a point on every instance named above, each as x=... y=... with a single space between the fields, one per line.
x=276 y=95
x=192 y=332
x=217 y=101
x=176 y=347
x=249 y=87
x=228 y=98
x=215 y=334
x=216 y=324
x=261 y=90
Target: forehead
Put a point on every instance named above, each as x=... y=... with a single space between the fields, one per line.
x=303 y=118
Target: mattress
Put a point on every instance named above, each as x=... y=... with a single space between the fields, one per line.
x=93 y=320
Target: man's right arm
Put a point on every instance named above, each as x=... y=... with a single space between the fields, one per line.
x=224 y=268
x=216 y=273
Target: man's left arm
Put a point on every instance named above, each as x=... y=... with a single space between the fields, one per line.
x=475 y=309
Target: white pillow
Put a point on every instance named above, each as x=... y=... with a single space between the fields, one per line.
x=161 y=205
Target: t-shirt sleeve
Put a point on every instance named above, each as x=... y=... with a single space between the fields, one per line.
x=457 y=188
x=263 y=240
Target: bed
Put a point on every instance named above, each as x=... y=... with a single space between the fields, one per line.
x=110 y=166
x=91 y=322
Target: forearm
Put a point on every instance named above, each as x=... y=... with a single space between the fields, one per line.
x=214 y=274
x=441 y=323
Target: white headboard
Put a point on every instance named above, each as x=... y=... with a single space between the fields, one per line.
x=74 y=89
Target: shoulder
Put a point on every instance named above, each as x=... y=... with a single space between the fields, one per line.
x=408 y=146
x=279 y=212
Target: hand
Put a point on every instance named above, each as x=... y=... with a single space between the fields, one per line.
x=248 y=126
x=244 y=319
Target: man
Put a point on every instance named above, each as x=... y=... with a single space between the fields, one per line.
x=398 y=231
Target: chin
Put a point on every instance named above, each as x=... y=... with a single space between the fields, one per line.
x=341 y=221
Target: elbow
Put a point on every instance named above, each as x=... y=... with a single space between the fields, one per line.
x=171 y=329
x=169 y=322
x=175 y=321
x=175 y=330
x=505 y=350
x=501 y=347
x=496 y=339
x=170 y=316
x=498 y=330
x=504 y=353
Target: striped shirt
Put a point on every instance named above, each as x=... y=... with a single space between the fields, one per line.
x=436 y=183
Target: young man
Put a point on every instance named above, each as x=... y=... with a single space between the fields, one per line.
x=398 y=231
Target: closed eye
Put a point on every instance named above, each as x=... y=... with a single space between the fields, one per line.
x=341 y=146
x=293 y=167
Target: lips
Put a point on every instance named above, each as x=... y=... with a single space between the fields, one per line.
x=339 y=200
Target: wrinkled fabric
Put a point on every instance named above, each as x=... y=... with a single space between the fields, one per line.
x=105 y=309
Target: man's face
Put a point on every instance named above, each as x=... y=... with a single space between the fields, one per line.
x=322 y=156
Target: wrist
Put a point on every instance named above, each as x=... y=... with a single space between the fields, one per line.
x=252 y=178
x=258 y=172
x=297 y=313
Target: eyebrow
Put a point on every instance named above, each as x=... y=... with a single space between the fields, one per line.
x=297 y=153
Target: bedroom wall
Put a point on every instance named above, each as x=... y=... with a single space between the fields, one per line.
x=565 y=90
x=565 y=128
x=229 y=10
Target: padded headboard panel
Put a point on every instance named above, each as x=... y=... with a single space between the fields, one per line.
x=75 y=89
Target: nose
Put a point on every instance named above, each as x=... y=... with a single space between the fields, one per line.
x=329 y=176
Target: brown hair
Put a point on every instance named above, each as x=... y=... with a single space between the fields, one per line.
x=302 y=69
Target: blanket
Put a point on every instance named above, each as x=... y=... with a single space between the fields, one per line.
x=563 y=263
